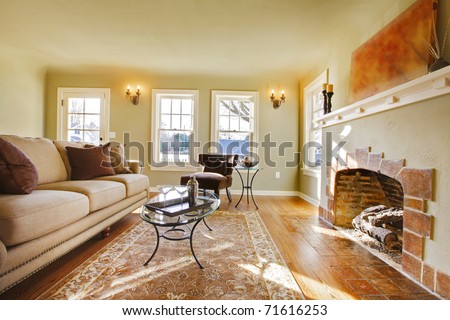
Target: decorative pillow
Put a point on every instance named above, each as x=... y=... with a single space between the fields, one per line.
x=118 y=160
x=89 y=163
x=216 y=166
x=18 y=175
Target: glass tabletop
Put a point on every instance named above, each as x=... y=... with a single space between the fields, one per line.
x=207 y=203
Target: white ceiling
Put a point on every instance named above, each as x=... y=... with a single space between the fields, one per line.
x=184 y=36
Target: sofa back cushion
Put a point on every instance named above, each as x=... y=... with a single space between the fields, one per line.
x=61 y=147
x=43 y=153
x=18 y=175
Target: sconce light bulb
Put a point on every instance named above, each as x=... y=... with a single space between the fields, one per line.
x=282 y=91
x=128 y=87
x=139 y=87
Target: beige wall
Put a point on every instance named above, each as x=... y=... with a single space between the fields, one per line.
x=22 y=80
x=419 y=133
x=282 y=124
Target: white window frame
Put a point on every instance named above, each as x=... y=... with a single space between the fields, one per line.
x=157 y=95
x=217 y=96
x=104 y=127
x=312 y=89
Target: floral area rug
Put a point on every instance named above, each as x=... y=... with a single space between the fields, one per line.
x=240 y=259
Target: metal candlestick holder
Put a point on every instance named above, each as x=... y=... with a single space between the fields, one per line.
x=329 y=94
x=325 y=105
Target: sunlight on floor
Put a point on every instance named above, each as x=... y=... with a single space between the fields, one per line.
x=328 y=232
x=272 y=272
x=321 y=291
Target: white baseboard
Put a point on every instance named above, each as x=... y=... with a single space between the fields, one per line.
x=268 y=193
x=309 y=199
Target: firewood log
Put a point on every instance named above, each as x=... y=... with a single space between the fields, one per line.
x=383 y=235
x=392 y=216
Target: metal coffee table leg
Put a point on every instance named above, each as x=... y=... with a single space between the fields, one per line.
x=157 y=245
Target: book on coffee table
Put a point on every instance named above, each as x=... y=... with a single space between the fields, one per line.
x=176 y=208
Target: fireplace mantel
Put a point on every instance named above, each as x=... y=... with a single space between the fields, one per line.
x=429 y=86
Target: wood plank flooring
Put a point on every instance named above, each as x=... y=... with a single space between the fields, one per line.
x=326 y=265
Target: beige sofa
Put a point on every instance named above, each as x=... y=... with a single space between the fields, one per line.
x=59 y=214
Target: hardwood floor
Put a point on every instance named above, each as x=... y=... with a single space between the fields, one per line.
x=326 y=265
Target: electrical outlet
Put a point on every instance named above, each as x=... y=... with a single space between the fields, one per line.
x=277 y=175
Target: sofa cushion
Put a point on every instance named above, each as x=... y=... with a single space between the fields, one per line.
x=44 y=155
x=18 y=175
x=61 y=147
x=101 y=194
x=27 y=217
x=134 y=183
x=89 y=163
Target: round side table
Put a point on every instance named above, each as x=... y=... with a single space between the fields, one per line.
x=249 y=182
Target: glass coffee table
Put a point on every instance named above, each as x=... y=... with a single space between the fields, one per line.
x=177 y=221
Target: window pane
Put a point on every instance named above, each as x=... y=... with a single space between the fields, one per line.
x=92 y=105
x=176 y=106
x=92 y=122
x=75 y=121
x=176 y=122
x=76 y=105
x=232 y=142
x=186 y=122
x=246 y=108
x=224 y=123
x=245 y=124
x=234 y=123
x=186 y=106
x=75 y=135
x=224 y=108
x=92 y=136
x=165 y=121
x=234 y=107
x=165 y=105
x=174 y=146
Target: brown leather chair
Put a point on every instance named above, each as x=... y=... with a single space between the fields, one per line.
x=217 y=172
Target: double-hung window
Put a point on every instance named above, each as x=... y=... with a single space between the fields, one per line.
x=234 y=122
x=173 y=128
x=313 y=107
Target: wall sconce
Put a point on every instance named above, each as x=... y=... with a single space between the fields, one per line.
x=277 y=102
x=134 y=99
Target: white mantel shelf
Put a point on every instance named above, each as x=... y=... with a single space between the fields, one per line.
x=429 y=86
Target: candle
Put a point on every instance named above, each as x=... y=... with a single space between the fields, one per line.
x=330 y=88
x=324 y=87
x=282 y=93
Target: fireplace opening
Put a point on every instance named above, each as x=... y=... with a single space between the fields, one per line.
x=368 y=206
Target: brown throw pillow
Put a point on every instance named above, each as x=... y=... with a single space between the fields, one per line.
x=118 y=160
x=18 y=175
x=216 y=166
x=90 y=163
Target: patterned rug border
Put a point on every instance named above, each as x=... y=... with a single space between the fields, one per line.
x=261 y=241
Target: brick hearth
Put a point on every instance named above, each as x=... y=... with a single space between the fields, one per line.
x=417 y=188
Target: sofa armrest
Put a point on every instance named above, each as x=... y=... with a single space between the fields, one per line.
x=3 y=255
x=135 y=166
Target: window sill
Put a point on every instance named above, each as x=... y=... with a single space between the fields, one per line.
x=311 y=172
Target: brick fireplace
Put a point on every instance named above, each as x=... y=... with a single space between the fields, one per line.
x=367 y=180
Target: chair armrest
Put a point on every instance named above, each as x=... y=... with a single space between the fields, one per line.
x=135 y=166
